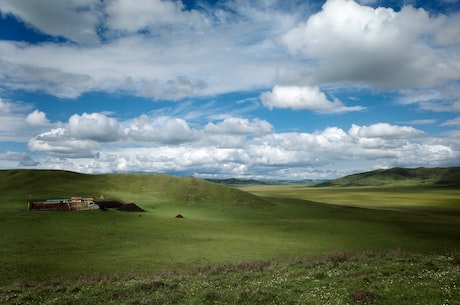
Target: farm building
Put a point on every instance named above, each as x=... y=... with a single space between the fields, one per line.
x=50 y=205
x=81 y=200
x=72 y=204
x=81 y=204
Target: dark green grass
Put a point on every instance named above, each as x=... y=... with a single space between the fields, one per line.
x=334 y=278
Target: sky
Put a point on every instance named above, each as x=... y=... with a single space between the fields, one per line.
x=262 y=89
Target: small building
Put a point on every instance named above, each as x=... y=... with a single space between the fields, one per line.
x=50 y=205
x=65 y=200
x=75 y=203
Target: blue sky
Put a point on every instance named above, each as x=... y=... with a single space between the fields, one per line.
x=253 y=89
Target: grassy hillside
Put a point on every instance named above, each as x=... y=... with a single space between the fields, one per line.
x=222 y=225
x=449 y=177
x=146 y=190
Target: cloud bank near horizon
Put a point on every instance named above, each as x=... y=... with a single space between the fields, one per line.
x=233 y=147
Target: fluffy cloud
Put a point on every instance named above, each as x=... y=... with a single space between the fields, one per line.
x=165 y=130
x=239 y=147
x=161 y=50
x=37 y=118
x=94 y=126
x=239 y=126
x=183 y=53
x=386 y=131
x=75 y=19
x=16 y=124
x=124 y=16
x=166 y=52
x=31 y=75
x=79 y=137
x=57 y=142
x=305 y=97
x=385 y=139
x=381 y=47
x=83 y=134
x=87 y=132
x=329 y=153
x=11 y=159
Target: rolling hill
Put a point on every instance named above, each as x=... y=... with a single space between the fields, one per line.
x=447 y=177
x=148 y=190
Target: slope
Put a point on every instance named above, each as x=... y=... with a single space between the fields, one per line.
x=448 y=177
x=150 y=190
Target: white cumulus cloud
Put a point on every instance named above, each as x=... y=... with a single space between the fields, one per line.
x=163 y=129
x=57 y=142
x=379 y=47
x=93 y=126
x=305 y=97
x=239 y=126
x=243 y=148
x=37 y=118
x=386 y=131
x=18 y=123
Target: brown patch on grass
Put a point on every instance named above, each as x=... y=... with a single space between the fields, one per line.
x=157 y=284
x=363 y=296
x=357 y=274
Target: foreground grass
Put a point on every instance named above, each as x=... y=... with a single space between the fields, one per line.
x=335 y=278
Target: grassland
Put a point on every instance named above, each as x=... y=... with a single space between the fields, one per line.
x=409 y=199
x=117 y=254
x=335 y=278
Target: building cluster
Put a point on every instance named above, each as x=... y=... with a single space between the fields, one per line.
x=82 y=200
x=65 y=204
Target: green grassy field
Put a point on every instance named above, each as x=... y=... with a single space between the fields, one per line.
x=222 y=225
x=437 y=200
x=334 y=278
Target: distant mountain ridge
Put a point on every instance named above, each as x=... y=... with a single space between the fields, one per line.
x=440 y=176
x=243 y=182
x=236 y=181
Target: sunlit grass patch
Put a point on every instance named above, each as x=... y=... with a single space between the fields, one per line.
x=416 y=198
